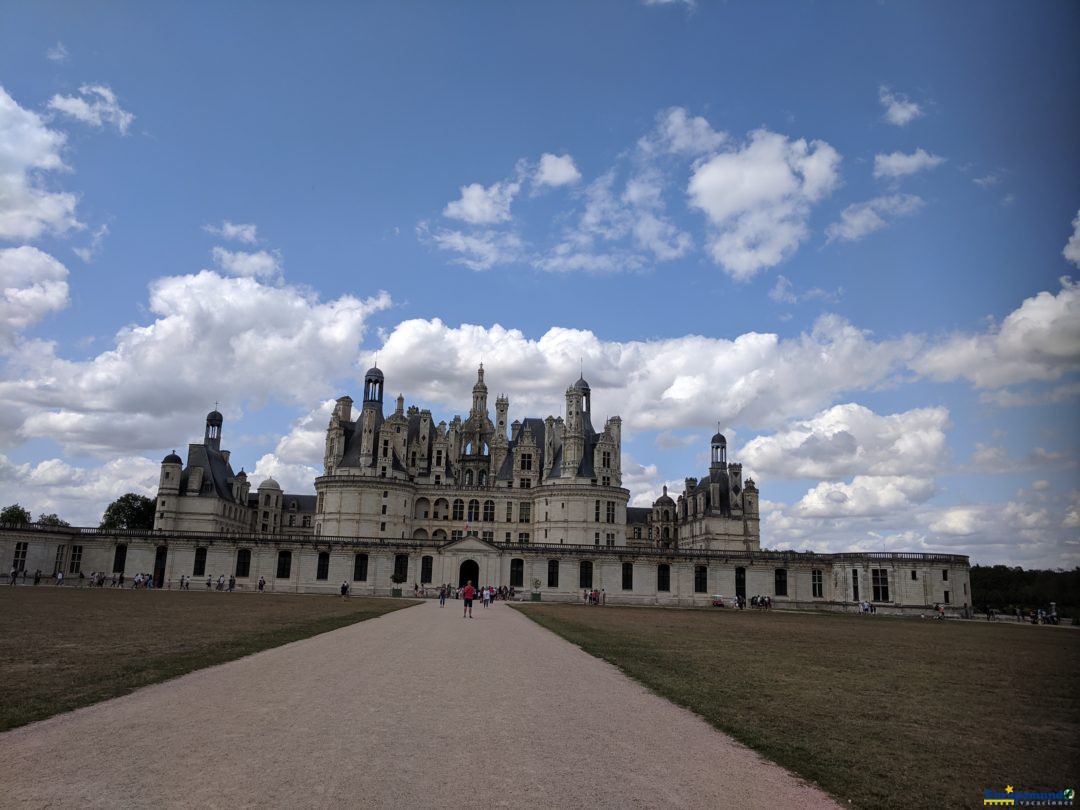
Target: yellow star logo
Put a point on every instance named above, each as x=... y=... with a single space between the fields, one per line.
x=1008 y=788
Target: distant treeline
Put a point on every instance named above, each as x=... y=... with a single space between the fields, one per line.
x=1005 y=588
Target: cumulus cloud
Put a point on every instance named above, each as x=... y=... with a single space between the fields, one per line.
x=556 y=170
x=213 y=338
x=258 y=264
x=28 y=148
x=758 y=198
x=679 y=133
x=1072 y=247
x=57 y=53
x=899 y=109
x=483 y=205
x=478 y=250
x=865 y=496
x=96 y=105
x=236 y=232
x=1038 y=341
x=897 y=164
x=32 y=285
x=861 y=219
x=850 y=439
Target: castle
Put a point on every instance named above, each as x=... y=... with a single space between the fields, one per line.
x=536 y=504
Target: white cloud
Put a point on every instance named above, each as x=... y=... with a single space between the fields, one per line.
x=555 y=170
x=850 y=439
x=861 y=219
x=32 y=284
x=214 y=338
x=57 y=53
x=246 y=233
x=865 y=496
x=784 y=292
x=480 y=205
x=96 y=105
x=258 y=264
x=758 y=198
x=90 y=252
x=27 y=149
x=479 y=250
x=1072 y=247
x=987 y=180
x=899 y=109
x=1038 y=341
x=679 y=133
x=667 y=440
x=1018 y=399
x=897 y=164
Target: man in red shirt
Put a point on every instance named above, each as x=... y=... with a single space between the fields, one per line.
x=467 y=594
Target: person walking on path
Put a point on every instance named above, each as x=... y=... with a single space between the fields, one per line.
x=59 y=577
x=467 y=594
x=442 y=596
x=262 y=584
x=345 y=590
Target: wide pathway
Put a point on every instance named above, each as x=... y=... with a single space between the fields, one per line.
x=418 y=708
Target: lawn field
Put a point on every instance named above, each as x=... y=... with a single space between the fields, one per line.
x=61 y=648
x=881 y=712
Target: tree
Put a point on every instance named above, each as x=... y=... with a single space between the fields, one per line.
x=51 y=520
x=130 y=511
x=14 y=515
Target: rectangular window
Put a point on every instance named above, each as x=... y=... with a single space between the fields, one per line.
x=585 y=574
x=780 y=582
x=879 y=579
x=627 y=576
x=385 y=448
x=701 y=579
x=243 y=562
x=76 y=560
x=945 y=575
x=382 y=527
x=119 y=559
x=610 y=539
x=596 y=512
x=663 y=577
x=489 y=511
x=58 y=563
x=284 y=564
x=914 y=575
x=611 y=511
x=199 y=568
x=322 y=568
x=526 y=461
x=517 y=573
x=523 y=537
x=425 y=569
x=817 y=588
x=401 y=567
x=359 y=568
x=292 y=520
x=488 y=536
x=509 y=511
x=384 y=508
x=526 y=483
x=524 y=512
x=456 y=534
x=18 y=562
x=307 y=521
x=319 y=503
x=553 y=574
x=507 y=539
x=854 y=585
x=946 y=597
x=606 y=459
x=596 y=538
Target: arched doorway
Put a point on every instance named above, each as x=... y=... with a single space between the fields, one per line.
x=470 y=572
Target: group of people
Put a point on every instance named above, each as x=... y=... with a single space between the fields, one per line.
x=595 y=597
x=488 y=593
x=867 y=608
x=760 y=602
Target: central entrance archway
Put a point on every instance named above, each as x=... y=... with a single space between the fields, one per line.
x=470 y=572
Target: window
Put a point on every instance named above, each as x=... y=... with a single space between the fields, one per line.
x=780 y=582
x=58 y=563
x=243 y=562
x=637 y=532
x=610 y=538
x=507 y=539
x=946 y=597
x=75 y=564
x=382 y=527
x=488 y=537
x=596 y=538
x=517 y=573
x=945 y=575
x=385 y=447
x=879 y=578
x=359 y=568
x=319 y=503
x=307 y=521
x=585 y=574
x=199 y=568
x=119 y=559
x=523 y=537
x=854 y=585
x=509 y=511
x=438 y=458
x=524 y=512
x=292 y=519
x=489 y=511
x=284 y=564
x=383 y=509
x=401 y=566
x=18 y=562
x=455 y=535
x=606 y=459
x=596 y=512
x=611 y=511
x=627 y=576
x=526 y=483
x=914 y=575
x=817 y=590
x=526 y=461
x=474 y=511
x=425 y=568
x=701 y=579
x=553 y=574
x=322 y=568
x=663 y=577
x=458 y=511
x=468 y=478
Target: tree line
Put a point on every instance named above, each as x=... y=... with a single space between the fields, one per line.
x=1005 y=588
x=130 y=511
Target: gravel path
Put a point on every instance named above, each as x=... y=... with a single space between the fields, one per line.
x=416 y=708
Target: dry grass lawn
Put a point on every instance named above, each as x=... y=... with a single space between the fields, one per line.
x=62 y=648
x=880 y=712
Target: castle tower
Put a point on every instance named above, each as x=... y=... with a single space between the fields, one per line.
x=212 y=437
x=372 y=415
x=479 y=395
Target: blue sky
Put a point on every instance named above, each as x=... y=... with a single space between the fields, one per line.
x=843 y=232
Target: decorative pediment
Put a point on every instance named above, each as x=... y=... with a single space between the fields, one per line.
x=471 y=543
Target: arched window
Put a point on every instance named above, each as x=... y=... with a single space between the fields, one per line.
x=517 y=573
x=425 y=569
x=474 y=511
x=459 y=510
x=468 y=478
x=489 y=511
x=322 y=570
x=663 y=577
x=401 y=567
x=359 y=569
x=667 y=515
x=665 y=533
x=284 y=564
x=585 y=574
x=482 y=478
